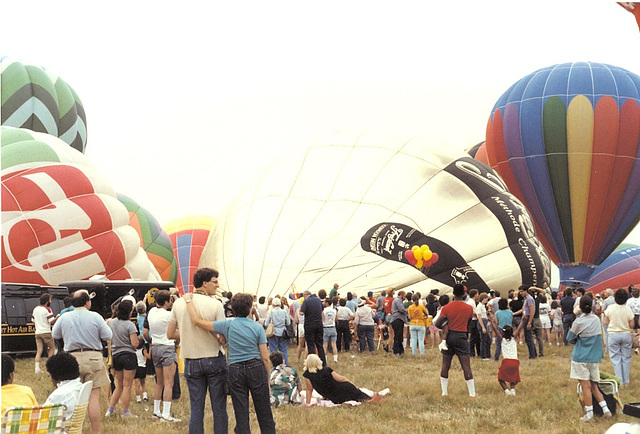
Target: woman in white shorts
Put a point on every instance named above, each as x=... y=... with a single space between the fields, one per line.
x=586 y=335
x=300 y=321
x=545 y=320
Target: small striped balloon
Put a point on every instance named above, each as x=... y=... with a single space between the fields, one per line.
x=38 y=100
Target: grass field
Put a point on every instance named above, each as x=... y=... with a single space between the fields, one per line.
x=546 y=399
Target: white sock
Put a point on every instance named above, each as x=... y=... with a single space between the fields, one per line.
x=472 y=387
x=166 y=409
x=156 y=406
x=444 y=383
x=144 y=395
x=138 y=398
x=404 y=342
x=37 y=366
x=605 y=408
x=589 y=409
x=335 y=357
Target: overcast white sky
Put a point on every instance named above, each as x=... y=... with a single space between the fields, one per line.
x=185 y=102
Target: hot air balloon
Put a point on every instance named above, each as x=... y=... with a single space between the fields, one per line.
x=619 y=270
x=188 y=236
x=479 y=152
x=39 y=100
x=565 y=141
x=301 y=222
x=634 y=8
x=153 y=239
x=61 y=219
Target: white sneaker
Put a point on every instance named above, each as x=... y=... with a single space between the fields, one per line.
x=586 y=418
x=108 y=414
x=38 y=371
x=170 y=419
x=513 y=392
x=507 y=392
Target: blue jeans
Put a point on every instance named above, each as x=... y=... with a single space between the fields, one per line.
x=496 y=356
x=528 y=338
x=208 y=372
x=245 y=377
x=278 y=343
x=417 y=338
x=620 y=347
x=485 y=340
x=365 y=336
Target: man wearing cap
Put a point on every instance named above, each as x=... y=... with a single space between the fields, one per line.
x=313 y=331
x=205 y=365
x=83 y=332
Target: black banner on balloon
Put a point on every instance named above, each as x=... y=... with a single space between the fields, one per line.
x=516 y=222
x=391 y=240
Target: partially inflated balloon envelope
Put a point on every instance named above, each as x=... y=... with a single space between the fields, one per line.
x=619 y=270
x=565 y=141
x=39 y=100
x=479 y=152
x=188 y=237
x=60 y=218
x=302 y=221
x=153 y=239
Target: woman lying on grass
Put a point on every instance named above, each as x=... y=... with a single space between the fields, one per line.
x=330 y=384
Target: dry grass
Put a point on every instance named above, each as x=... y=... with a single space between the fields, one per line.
x=546 y=399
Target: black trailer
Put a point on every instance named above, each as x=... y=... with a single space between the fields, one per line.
x=19 y=299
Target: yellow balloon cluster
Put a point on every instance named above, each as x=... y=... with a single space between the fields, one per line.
x=421 y=256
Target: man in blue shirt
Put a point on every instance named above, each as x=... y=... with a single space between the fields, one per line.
x=313 y=330
x=528 y=312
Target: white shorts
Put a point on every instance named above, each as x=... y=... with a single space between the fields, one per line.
x=585 y=371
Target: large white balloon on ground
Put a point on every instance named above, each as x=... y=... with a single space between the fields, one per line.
x=300 y=223
x=61 y=219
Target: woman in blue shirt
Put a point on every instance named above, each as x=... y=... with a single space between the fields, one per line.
x=586 y=335
x=248 y=361
x=281 y=320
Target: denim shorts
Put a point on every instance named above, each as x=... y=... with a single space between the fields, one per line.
x=330 y=334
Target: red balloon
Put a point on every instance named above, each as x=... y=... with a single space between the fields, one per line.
x=428 y=264
x=434 y=258
x=408 y=254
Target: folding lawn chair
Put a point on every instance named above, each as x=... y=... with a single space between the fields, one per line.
x=74 y=426
x=610 y=390
x=43 y=419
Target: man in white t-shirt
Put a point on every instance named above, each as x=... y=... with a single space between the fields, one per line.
x=43 y=319
x=163 y=355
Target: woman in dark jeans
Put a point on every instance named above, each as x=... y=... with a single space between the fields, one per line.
x=398 y=319
x=516 y=307
x=248 y=361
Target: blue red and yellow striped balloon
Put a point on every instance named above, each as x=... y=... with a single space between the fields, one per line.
x=421 y=256
x=153 y=240
x=565 y=139
x=188 y=237
x=38 y=100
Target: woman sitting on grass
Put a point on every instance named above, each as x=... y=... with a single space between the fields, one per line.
x=330 y=384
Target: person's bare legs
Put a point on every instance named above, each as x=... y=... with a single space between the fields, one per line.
x=39 y=350
x=127 y=379
x=93 y=409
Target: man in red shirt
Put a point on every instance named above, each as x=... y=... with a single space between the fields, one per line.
x=457 y=314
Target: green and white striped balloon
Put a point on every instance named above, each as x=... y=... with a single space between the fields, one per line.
x=40 y=101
